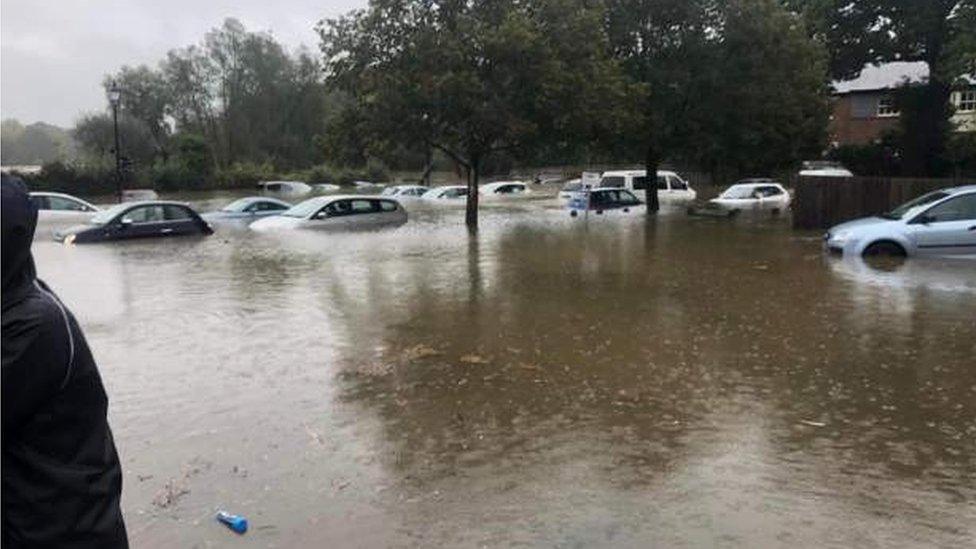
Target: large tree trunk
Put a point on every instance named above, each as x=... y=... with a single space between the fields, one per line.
x=471 y=211
x=651 y=162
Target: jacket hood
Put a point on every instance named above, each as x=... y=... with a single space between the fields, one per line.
x=19 y=219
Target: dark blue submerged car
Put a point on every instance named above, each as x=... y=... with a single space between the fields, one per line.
x=154 y=219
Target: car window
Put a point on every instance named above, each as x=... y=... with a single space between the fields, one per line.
x=961 y=208
x=770 y=191
x=145 y=214
x=509 y=189
x=662 y=183
x=176 y=213
x=266 y=207
x=454 y=193
x=612 y=181
x=274 y=187
x=363 y=206
x=387 y=206
x=640 y=182
x=677 y=184
x=40 y=202
x=415 y=192
x=65 y=204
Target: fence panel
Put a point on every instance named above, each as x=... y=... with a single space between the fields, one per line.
x=821 y=202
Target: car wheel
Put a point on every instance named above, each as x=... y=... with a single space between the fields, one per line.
x=885 y=248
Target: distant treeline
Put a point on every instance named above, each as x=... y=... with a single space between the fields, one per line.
x=734 y=87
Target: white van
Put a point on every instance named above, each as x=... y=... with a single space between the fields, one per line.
x=671 y=189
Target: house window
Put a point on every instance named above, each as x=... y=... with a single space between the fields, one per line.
x=886 y=106
x=967 y=101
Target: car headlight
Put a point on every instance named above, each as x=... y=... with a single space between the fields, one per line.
x=839 y=238
x=70 y=239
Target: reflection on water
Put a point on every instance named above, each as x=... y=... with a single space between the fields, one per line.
x=684 y=382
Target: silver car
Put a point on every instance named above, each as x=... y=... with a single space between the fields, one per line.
x=342 y=212
x=938 y=223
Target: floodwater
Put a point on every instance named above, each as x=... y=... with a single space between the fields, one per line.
x=551 y=382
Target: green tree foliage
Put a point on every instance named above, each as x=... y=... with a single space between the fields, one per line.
x=37 y=143
x=938 y=32
x=240 y=91
x=473 y=78
x=732 y=85
x=95 y=136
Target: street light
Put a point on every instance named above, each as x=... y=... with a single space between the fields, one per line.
x=115 y=97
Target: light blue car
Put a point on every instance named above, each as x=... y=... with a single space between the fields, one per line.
x=248 y=209
x=938 y=223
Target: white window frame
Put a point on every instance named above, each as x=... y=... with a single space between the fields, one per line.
x=887 y=107
x=966 y=101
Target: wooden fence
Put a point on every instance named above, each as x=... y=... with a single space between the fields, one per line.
x=821 y=202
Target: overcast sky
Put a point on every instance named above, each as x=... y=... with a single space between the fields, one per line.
x=56 y=52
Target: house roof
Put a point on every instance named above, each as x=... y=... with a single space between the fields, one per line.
x=887 y=76
x=884 y=77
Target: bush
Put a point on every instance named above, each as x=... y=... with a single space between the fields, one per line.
x=244 y=174
x=77 y=179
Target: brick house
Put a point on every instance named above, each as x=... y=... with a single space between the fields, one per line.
x=864 y=108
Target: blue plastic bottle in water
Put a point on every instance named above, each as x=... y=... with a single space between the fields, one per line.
x=234 y=522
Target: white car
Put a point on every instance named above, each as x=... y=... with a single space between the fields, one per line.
x=938 y=223
x=671 y=188
x=294 y=188
x=755 y=196
x=503 y=188
x=447 y=192
x=611 y=201
x=570 y=188
x=824 y=168
x=405 y=191
x=337 y=213
x=139 y=195
x=62 y=208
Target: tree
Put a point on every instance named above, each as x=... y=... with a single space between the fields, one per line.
x=938 y=32
x=36 y=143
x=667 y=48
x=473 y=78
x=146 y=97
x=731 y=85
x=95 y=134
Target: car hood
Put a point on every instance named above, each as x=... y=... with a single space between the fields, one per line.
x=860 y=224
x=74 y=229
x=276 y=222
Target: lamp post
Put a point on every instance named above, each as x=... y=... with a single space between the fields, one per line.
x=114 y=97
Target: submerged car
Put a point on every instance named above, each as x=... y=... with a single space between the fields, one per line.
x=137 y=220
x=671 y=188
x=938 y=223
x=337 y=212
x=503 y=188
x=604 y=200
x=570 y=188
x=251 y=207
x=284 y=187
x=764 y=195
x=824 y=168
x=61 y=208
x=447 y=192
x=405 y=191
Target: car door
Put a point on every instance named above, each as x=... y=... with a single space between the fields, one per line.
x=140 y=222
x=677 y=189
x=948 y=228
x=178 y=221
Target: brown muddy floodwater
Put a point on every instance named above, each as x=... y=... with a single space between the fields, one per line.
x=548 y=383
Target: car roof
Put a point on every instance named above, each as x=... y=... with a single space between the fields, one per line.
x=253 y=199
x=961 y=189
x=408 y=187
x=635 y=173
x=332 y=198
x=596 y=189
x=50 y=193
x=135 y=203
x=500 y=183
x=752 y=185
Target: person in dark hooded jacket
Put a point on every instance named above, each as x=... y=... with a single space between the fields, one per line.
x=61 y=477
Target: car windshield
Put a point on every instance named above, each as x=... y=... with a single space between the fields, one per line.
x=303 y=209
x=237 y=205
x=900 y=211
x=573 y=186
x=738 y=192
x=390 y=191
x=105 y=216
